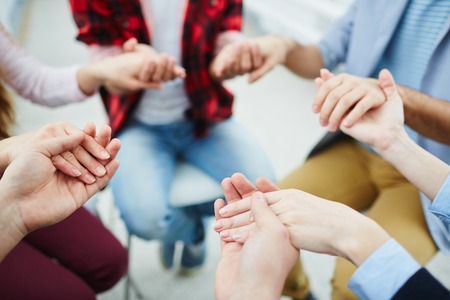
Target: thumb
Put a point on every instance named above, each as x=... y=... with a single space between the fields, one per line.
x=265 y=218
x=59 y=144
x=387 y=83
x=130 y=45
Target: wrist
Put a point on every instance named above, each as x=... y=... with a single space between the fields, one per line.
x=368 y=238
x=91 y=77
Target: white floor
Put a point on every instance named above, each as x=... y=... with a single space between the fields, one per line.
x=277 y=109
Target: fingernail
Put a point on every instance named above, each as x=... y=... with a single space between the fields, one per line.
x=105 y=154
x=323 y=122
x=75 y=172
x=89 y=178
x=101 y=170
x=346 y=123
x=237 y=236
x=224 y=234
x=217 y=225
x=223 y=211
x=315 y=108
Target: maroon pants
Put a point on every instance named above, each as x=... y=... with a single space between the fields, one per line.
x=74 y=259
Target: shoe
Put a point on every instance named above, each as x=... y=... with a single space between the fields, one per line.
x=193 y=258
x=166 y=254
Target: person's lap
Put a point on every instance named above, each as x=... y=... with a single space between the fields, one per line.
x=148 y=158
x=73 y=259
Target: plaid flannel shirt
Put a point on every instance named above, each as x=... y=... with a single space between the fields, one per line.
x=112 y=22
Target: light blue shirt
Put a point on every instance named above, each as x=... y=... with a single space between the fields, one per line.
x=441 y=204
x=361 y=38
x=384 y=272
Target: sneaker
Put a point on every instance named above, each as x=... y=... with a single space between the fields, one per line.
x=166 y=254
x=193 y=258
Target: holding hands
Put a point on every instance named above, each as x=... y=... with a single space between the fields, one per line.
x=34 y=192
x=256 y=56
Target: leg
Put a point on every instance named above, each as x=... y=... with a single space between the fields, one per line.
x=398 y=210
x=26 y=273
x=339 y=173
x=81 y=244
x=228 y=149
x=142 y=183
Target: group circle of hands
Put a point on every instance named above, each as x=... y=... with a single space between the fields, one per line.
x=54 y=170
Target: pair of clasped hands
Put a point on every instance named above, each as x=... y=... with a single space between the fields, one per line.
x=49 y=173
x=262 y=228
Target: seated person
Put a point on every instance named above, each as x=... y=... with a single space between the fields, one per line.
x=385 y=269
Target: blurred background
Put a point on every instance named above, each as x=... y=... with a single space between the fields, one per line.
x=277 y=109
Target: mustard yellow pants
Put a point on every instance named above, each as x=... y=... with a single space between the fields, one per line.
x=349 y=174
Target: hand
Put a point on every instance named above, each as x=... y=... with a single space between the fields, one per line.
x=255 y=56
x=257 y=268
x=236 y=58
x=314 y=224
x=160 y=67
x=345 y=98
x=36 y=194
x=380 y=127
x=83 y=162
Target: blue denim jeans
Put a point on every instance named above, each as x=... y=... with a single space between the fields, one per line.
x=148 y=157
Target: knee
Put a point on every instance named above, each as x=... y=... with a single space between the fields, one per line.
x=111 y=267
x=151 y=228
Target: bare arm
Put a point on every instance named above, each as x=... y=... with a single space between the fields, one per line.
x=428 y=116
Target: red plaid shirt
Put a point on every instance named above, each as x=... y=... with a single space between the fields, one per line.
x=112 y=22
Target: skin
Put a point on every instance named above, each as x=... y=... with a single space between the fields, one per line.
x=323 y=226
x=36 y=194
x=246 y=272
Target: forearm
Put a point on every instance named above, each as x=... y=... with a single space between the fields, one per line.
x=91 y=77
x=10 y=235
x=304 y=60
x=428 y=116
x=420 y=167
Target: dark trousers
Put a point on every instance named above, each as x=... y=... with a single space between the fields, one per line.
x=74 y=259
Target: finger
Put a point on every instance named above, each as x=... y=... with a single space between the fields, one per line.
x=235 y=208
x=90 y=129
x=387 y=83
x=242 y=185
x=89 y=143
x=319 y=82
x=114 y=147
x=179 y=72
x=83 y=164
x=265 y=218
x=344 y=106
x=167 y=74
x=239 y=235
x=265 y=185
x=218 y=204
x=229 y=191
x=233 y=222
x=65 y=167
x=361 y=108
x=323 y=92
x=147 y=71
x=268 y=65
x=160 y=67
x=245 y=63
x=256 y=54
x=101 y=182
x=325 y=74
x=130 y=45
x=330 y=102
x=104 y=136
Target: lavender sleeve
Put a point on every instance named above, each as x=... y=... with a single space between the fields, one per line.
x=35 y=81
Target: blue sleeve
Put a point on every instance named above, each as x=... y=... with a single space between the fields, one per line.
x=384 y=272
x=334 y=44
x=441 y=204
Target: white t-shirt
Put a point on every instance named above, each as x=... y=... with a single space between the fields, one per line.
x=165 y=20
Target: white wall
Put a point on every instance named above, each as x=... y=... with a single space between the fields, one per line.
x=303 y=20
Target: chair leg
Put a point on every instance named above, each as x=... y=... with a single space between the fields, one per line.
x=130 y=284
